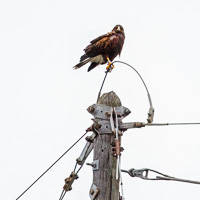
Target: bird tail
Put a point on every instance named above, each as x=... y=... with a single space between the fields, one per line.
x=82 y=63
x=92 y=66
x=83 y=57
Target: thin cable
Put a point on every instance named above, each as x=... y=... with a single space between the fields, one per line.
x=99 y=94
x=75 y=166
x=121 y=182
x=64 y=191
x=79 y=169
x=151 y=109
x=144 y=174
x=177 y=179
x=172 y=124
x=51 y=166
x=149 y=97
x=62 y=195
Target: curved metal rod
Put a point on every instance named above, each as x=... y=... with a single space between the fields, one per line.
x=99 y=94
x=148 y=94
x=151 y=109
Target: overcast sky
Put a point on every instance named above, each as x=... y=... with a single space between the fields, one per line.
x=43 y=100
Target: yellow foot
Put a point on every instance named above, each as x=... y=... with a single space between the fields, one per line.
x=110 y=67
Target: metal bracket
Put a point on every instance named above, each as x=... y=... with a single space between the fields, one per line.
x=94 y=191
x=103 y=112
x=112 y=124
x=87 y=149
x=94 y=164
x=150 y=115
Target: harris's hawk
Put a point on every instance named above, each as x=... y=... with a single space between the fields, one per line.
x=103 y=49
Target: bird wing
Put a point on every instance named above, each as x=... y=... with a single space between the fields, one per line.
x=99 y=45
x=99 y=38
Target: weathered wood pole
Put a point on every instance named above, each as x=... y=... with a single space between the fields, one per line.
x=105 y=186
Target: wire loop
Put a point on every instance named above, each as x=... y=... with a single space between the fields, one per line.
x=151 y=109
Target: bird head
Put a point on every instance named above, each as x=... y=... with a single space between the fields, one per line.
x=118 y=29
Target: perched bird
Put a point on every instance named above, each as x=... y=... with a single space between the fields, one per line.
x=103 y=49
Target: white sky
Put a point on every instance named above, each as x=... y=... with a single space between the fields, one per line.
x=43 y=101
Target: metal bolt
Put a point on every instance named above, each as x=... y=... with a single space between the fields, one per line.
x=91 y=109
x=91 y=191
x=91 y=164
x=107 y=114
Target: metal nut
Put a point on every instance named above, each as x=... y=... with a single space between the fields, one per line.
x=91 y=191
x=91 y=109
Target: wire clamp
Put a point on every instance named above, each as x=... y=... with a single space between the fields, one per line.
x=144 y=174
x=94 y=191
x=69 y=181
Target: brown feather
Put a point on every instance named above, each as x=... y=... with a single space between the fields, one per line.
x=81 y=63
x=107 y=45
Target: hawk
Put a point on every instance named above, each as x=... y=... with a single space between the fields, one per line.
x=103 y=49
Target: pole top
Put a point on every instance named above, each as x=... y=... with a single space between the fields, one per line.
x=110 y=99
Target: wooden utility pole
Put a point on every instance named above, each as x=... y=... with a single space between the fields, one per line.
x=105 y=183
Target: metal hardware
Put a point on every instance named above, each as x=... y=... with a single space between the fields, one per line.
x=94 y=191
x=117 y=143
x=85 y=153
x=94 y=164
x=125 y=126
x=87 y=149
x=104 y=126
x=69 y=181
x=103 y=112
x=91 y=138
x=112 y=125
x=90 y=164
x=150 y=115
x=144 y=174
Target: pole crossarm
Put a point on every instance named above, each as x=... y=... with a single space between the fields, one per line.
x=145 y=174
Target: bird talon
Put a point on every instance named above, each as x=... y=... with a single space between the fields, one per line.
x=110 y=67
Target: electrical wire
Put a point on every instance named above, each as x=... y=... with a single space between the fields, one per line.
x=76 y=172
x=99 y=94
x=51 y=166
x=144 y=174
x=173 y=124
